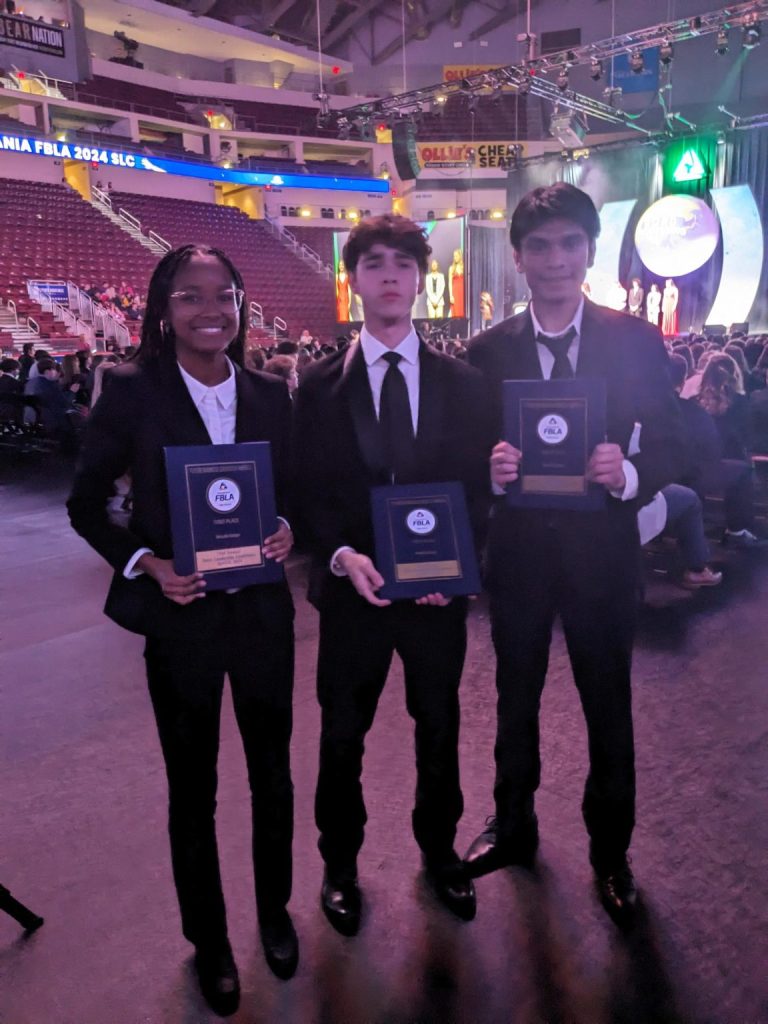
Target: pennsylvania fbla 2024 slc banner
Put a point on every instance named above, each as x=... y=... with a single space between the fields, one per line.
x=31 y=35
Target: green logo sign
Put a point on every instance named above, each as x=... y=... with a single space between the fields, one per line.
x=690 y=167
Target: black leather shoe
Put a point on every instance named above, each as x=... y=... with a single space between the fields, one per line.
x=618 y=893
x=488 y=853
x=217 y=975
x=281 y=945
x=452 y=886
x=341 y=903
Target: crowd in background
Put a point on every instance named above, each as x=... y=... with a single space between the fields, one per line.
x=124 y=302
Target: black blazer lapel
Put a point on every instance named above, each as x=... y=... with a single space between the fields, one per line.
x=522 y=357
x=251 y=418
x=431 y=400
x=592 y=342
x=172 y=403
x=356 y=391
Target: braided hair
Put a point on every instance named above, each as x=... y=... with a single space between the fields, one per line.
x=157 y=338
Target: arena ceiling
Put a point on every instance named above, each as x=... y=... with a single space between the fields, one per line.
x=296 y=20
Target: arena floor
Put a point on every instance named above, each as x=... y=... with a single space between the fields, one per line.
x=82 y=825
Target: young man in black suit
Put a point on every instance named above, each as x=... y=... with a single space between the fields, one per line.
x=582 y=566
x=387 y=409
x=186 y=386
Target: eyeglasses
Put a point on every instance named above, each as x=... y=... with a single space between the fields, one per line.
x=229 y=298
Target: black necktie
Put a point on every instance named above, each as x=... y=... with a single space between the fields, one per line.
x=558 y=346
x=395 y=418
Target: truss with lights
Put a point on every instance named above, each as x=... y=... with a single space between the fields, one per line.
x=528 y=76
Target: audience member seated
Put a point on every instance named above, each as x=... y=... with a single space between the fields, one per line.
x=284 y=366
x=55 y=408
x=721 y=394
x=11 y=392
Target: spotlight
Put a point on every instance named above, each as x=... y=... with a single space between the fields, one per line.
x=636 y=62
x=524 y=86
x=721 y=44
x=596 y=69
x=441 y=99
x=666 y=52
x=344 y=130
x=721 y=138
x=751 y=32
x=562 y=80
x=612 y=95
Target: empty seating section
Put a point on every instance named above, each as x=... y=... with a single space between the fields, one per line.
x=48 y=232
x=280 y=281
x=319 y=239
x=141 y=99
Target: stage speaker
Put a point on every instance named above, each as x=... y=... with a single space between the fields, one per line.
x=742 y=328
x=404 y=150
x=714 y=330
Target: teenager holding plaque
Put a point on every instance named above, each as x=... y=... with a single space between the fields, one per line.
x=186 y=386
x=579 y=564
x=408 y=415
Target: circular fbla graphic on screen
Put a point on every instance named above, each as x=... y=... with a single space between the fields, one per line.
x=223 y=495
x=421 y=521
x=676 y=235
x=552 y=429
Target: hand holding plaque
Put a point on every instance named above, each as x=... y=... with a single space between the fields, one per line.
x=424 y=542
x=222 y=512
x=556 y=425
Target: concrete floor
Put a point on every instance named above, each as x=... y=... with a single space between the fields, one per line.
x=82 y=825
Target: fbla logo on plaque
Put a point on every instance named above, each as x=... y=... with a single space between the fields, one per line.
x=552 y=429
x=223 y=495
x=421 y=521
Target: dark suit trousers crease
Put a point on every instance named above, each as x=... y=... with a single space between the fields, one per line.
x=586 y=573
x=254 y=646
x=357 y=642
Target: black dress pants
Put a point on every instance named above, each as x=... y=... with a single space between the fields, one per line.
x=357 y=642
x=252 y=642
x=585 y=570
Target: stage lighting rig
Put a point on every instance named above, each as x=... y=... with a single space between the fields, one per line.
x=562 y=79
x=721 y=41
x=751 y=32
x=636 y=62
x=595 y=69
x=666 y=53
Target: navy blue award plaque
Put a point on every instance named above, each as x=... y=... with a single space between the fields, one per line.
x=556 y=424
x=424 y=541
x=222 y=502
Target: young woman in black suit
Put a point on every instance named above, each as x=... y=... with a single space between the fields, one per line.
x=186 y=386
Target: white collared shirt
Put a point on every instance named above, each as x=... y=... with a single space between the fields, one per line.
x=374 y=352
x=546 y=357
x=217 y=405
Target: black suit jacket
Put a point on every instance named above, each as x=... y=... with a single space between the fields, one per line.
x=630 y=355
x=338 y=455
x=145 y=409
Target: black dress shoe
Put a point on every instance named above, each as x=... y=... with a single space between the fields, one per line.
x=489 y=853
x=452 y=886
x=618 y=893
x=281 y=945
x=341 y=902
x=217 y=975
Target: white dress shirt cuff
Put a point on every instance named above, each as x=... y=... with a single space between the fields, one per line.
x=630 y=483
x=498 y=489
x=335 y=567
x=284 y=521
x=130 y=572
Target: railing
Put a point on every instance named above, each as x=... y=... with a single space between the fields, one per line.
x=301 y=249
x=33 y=325
x=129 y=218
x=159 y=240
x=101 y=197
x=278 y=324
x=111 y=329
x=256 y=314
x=68 y=314
x=11 y=307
